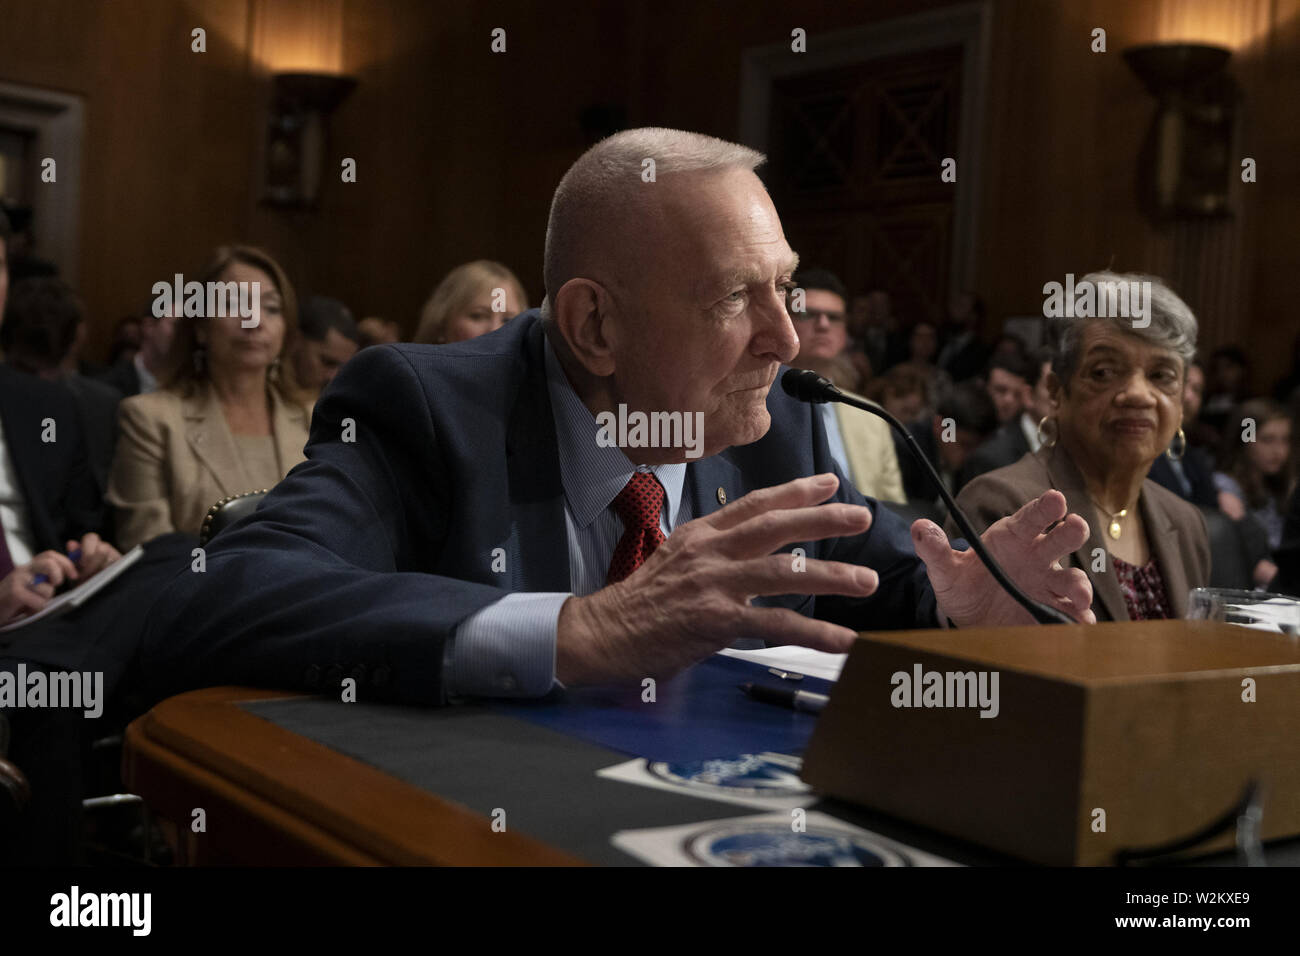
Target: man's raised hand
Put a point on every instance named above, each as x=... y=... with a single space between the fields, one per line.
x=691 y=597
x=1027 y=551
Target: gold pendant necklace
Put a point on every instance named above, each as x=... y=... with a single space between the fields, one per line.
x=1114 y=529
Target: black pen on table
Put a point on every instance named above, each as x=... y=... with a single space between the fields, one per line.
x=804 y=700
x=74 y=556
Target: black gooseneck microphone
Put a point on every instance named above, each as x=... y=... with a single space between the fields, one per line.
x=810 y=387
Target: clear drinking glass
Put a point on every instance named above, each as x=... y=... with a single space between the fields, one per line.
x=1258 y=609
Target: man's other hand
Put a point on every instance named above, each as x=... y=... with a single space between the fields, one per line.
x=1028 y=552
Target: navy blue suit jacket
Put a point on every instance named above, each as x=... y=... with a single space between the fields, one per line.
x=367 y=556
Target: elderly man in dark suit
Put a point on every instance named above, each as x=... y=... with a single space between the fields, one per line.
x=475 y=519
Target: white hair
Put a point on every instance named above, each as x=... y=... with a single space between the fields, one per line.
x=1173 y=325
x=607 y=179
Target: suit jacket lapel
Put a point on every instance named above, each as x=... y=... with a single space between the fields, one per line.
x=1065 y=477
x=706 y=477
x=536 y=484
x=210 y=439
x=1168 y=548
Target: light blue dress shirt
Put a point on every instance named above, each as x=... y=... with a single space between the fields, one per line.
x=507 y=649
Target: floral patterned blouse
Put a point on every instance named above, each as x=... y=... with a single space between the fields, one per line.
x=1144 y=590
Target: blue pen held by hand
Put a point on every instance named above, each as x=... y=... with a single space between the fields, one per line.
x=74 y=556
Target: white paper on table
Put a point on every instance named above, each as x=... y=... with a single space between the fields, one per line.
x=769 y=839
x=792 y=657
x=765 y=781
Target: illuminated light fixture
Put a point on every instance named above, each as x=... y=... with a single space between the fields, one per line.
x=1186 y=160
x=296 y=135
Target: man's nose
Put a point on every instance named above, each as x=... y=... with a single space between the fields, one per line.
x=776 y=335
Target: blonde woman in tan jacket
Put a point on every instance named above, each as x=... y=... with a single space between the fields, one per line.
x=228 y=419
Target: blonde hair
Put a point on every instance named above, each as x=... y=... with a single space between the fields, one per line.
x=457 y=291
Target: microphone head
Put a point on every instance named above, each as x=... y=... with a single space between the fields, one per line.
x=806 y=386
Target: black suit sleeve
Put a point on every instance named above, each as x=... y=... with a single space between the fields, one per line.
x=330 y=577
x=83 y=502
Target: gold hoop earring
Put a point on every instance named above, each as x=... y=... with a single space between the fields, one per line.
x=1042 y=440
x=1182 y=448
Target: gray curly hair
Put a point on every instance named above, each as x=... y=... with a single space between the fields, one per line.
x=1172 y=325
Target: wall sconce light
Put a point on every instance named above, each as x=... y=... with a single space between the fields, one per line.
x=296 y=136
x=1184 y=168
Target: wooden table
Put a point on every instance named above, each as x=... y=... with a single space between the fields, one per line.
x=273 y=797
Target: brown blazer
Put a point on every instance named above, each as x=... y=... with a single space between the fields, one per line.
x=176 y=458
x=1175 y=528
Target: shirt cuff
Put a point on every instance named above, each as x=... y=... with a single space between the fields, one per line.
x=507 y=649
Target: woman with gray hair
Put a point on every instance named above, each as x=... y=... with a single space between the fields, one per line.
x=1116 y=390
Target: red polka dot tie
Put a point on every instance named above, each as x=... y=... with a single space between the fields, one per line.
x=639 y=504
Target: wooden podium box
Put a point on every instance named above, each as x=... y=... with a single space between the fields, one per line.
x=1159 y=725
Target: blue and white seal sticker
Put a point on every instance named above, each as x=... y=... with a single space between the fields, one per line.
x=776 y=844
x=753 y=775
x=764 y=781
x=783 y=838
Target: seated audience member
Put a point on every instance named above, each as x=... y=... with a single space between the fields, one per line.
x=48 y=495
x=923 y=343
x=1227 y=385
x=1016 y=438
x=373 y=330
x=125 y=342
x=137 y=373
x=229 y=417
x=21 y=259
x=880 y=337
x=904 y=392
x=471 y=300
x=1287 y=389
x=860 y=443
x=101 y=637
x=1010 y=344
x=376 y=557
x=1010 y=384
x=1257 y=475
x=1287 y=553
x=1189 y=473
x=327 y=338
x=1117 y=393
x=922 y=346
x=42 y=325
x=963 y=355
x=963 y=420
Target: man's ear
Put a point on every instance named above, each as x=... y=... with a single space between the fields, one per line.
x=582 y=311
